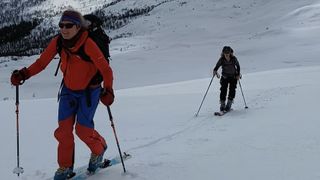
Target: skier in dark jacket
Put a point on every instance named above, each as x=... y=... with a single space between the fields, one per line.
x=230 y=76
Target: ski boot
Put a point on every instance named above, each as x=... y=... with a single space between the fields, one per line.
x=95 y=162
x=228 y=106
x=64 y=173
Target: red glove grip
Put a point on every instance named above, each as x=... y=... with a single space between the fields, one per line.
x=19 y=76
x=107 y=96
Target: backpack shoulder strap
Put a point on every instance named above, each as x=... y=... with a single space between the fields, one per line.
x=59 y=49
x=81 y=52
x=59 y=44
x=235 y=61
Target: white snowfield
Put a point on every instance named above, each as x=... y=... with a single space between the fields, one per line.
x=161 y=74
x=275 y=138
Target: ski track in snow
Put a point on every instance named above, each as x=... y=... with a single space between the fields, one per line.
x=195 y=123
x=265 y=97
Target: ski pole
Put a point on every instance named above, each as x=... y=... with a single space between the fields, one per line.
x=245 y=104
x=18 y=170
x=204 y=96
x=115 y=135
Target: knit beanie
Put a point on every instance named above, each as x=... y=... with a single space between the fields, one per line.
x=72 y=16
x=227 y=49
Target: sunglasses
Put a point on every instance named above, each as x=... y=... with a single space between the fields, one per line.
x=66 y=25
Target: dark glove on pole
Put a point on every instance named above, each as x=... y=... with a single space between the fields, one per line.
x=19 y=76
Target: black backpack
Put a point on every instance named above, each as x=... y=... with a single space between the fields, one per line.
x=97 y=34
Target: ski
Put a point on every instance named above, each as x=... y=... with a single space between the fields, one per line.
x=81 y=173
x=221 y=113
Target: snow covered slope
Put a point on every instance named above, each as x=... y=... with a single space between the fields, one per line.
x=182 y=40
x=276 y=138
x=173 y=51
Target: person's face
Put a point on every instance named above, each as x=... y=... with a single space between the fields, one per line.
x=68 y=29
x=226 y=55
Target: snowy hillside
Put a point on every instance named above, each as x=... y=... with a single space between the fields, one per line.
x=276 y=138
x=162 y=70
x=182 y=41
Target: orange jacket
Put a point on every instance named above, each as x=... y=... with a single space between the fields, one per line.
x=77 y=73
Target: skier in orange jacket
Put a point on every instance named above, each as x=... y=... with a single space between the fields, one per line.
x=80 y=93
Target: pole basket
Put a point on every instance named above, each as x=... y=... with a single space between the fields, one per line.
x=18 y=170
